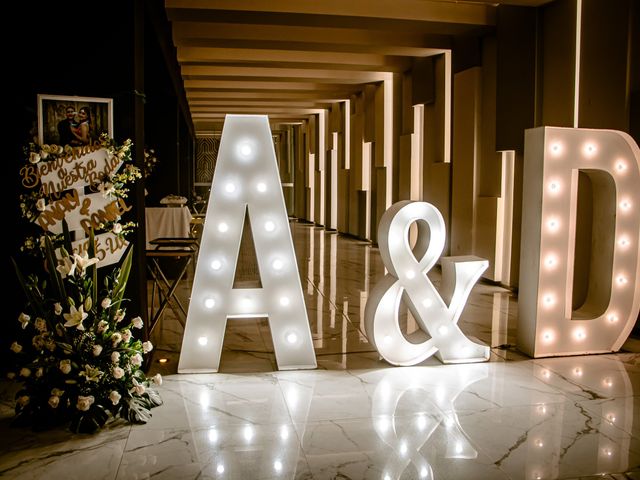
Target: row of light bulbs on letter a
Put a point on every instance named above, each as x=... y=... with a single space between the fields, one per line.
x=246 y=181
x=563 y=153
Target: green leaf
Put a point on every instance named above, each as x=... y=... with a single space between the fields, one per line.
x=123 y=276
x=66 y=236
x=51 y=265
x=135 y=411
x=93 y=268
x=34 y=300
x=154 y=397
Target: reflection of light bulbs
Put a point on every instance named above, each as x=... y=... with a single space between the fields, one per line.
x=607 y=382
x=202 y=341
x=423 y=472
x=542 y=409
x=284 y=432
x=611 y=417
x=261 y=187
x=277 y=466
x=220 y=468
x=539 y=443
x=403 y=448
x=248 y=433
x=209 y=303
x=213 y=435
x=577 y=372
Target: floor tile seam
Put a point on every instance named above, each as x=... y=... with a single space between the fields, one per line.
x=124 y=450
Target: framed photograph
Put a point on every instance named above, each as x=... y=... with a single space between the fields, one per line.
x=74 y=121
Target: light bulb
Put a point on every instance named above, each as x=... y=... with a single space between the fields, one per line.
x=547 y=336
x=245 y=150
x=269 y=226
x=230 y=187
x=589 y=149
x=261 y=187
x=443 y=330
x=554 y=187
x=625 y=204
x=284 y=301
x=292 y=338
x=549 y=300
x=209 y=303
x=550 y=261
x=621 y=166
x=220 y=468
x=622 y=280
x=411 y=274
x=556 y=148
x=580 y=334
x=202 y=341
x=387 y=339
x=216 y=264
x=223 y=227
x=553 y=224
x=427 y=302
x=612 y=317
x=277 y=264
x=623 y=242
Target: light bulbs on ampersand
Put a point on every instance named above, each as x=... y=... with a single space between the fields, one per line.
x=223 y=227
x=216 y=265
x=580 y=334
x=284 y=301
x=589 y=149
x=292 y=338
x=553 y=224
x=621 y=166
x=230 y=187
x=612 y=317
x=209 y=302
x=261 y=187
x=625 y=204
x=410 y=274
x=277 y=264
x=202 y=341
x=556 y=148
x=269 y=226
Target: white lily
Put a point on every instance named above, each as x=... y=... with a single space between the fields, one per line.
x=66 y=266
x=83 y=261
x=75 y=317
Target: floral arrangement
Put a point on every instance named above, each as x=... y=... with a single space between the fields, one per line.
x=76 y=356
x=150 y=161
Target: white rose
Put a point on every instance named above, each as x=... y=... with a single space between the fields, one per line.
x=115 y=357
x=41 y=205
x=16 y=347
x=115 y=397
x=157 y=379
x=23 y=400
x=57 y=308
x=84 y=403
x=102 y=326
x=39 y=372
x=25 y=372
x=136 y=359
x=34 y=157
x=138 y=388
x=97 y=350
x=116 y=338
x=126 y=336
x=54 y=401
x=117 y=373
x=119 y=316
x=65 y=366
x=106 y=303
x=117 y=228
x=137 y=322
x=147 y=347
x=41 y=324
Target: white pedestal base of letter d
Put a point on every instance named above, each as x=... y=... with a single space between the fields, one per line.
x=579 y=269
x=246 y=181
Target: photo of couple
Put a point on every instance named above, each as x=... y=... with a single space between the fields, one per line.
x=74 y=121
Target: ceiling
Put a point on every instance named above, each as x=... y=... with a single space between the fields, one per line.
x=289 y=58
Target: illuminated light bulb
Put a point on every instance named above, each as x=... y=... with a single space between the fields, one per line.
x=539 y=443
x=203 y=341
x=223 y=227
x=261 y=187
x=245 y=150
x=612 y=317
x=621 y=166
x=547 y=336
x=580 y=334
x=625 y=205
x=213 y=435
x=387 y=339
x=623 y=242
x=284 y=432
x=284 y=301
x=216 y=265
x=577 y=372
x=622 y=280
x=403 y=448
x=553 y=224
x=246 y=302
x=554 y=187
x=607 y=382
x=423 y=472
x=443 y=330
x=549 y=300
x=277 y=466
x=590 y=149
x=209 y=303
x=427 y=302
x=292 y=338
x=248 y=433
x=269 y=226
x=459 y=447
x=220 y=468
x=230 y=187
x=277 y=264
x=411 y=274
x=163 y=360
x=551 y=261
x=556 y=148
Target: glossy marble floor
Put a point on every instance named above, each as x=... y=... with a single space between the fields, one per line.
x=356 y=417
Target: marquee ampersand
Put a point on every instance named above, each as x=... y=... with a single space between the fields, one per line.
x=407 y=272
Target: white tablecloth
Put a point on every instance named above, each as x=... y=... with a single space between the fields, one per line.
x=167 y=222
